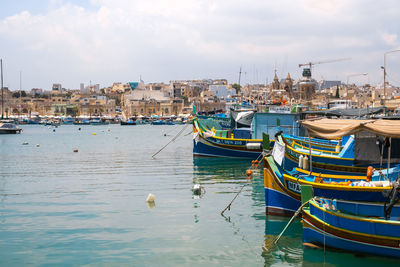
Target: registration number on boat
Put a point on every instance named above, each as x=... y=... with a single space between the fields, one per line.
x=294 y=187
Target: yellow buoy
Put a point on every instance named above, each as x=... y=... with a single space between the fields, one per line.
x=94 y=133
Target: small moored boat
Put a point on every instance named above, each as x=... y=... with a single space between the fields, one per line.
x=9 y=128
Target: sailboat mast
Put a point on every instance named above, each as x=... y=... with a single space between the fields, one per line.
x=240 y=74
x=20 y=96
x=2 y=91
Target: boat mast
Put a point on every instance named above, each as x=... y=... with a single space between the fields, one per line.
x=2 y=91
x=239 y=91
x=20 y=96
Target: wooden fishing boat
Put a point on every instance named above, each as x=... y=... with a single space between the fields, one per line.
x=323 y=160
x=283 y=190
x=215 y=137
x=364 y=146
x=221 y=143
x=324 y=225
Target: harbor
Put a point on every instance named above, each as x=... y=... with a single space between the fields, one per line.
x=199 y=133
x=92 y=203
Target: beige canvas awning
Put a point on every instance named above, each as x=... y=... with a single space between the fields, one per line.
x=336 y=128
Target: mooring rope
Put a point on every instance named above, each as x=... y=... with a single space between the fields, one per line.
x=173 y=139
x=267 y=247
x=229 y=205
x=253 y=166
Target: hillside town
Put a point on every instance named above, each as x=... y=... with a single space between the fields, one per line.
x=130 y=99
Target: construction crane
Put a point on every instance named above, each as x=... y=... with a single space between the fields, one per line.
x=307 y=71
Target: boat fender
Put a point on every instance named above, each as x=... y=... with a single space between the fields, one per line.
x=370 y=171
x=253 y=146
x=305 y=163
x=301 y=162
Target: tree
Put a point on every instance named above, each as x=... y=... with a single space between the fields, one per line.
x=68 y=94
x=337 y=92
x=236 y=87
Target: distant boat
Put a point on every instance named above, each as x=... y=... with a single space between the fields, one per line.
x=9 y=128
x=128 y=122
x=6 y=126
x=98 y=121
x=162 y=122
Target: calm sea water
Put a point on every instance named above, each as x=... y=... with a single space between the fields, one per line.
x=88 y=208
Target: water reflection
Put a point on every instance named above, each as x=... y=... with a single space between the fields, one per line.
x=335 y=257
x=209 y=168
x=289 y=248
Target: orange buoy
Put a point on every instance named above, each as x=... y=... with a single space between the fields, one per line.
x=249 y=173
x=370 y=170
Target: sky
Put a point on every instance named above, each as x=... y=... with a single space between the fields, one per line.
x=104 y=41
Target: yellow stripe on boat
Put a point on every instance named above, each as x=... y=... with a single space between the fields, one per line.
x=357 y=218
x=337 y=176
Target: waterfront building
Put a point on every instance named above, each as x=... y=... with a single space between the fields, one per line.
x=56 y=88
x=221 y=91
x=324 y=84
x=122 y=88
x=36 y=92
x=150 y=102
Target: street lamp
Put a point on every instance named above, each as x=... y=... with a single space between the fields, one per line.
x=384 y=69
x=353 y=75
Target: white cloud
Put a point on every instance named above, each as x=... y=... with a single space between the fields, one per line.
x=390 y=39
x=117 y=40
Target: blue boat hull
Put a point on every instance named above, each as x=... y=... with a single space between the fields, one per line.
x=201 y=148
x=312 y=235
x=283 y=194
x=354 y=233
